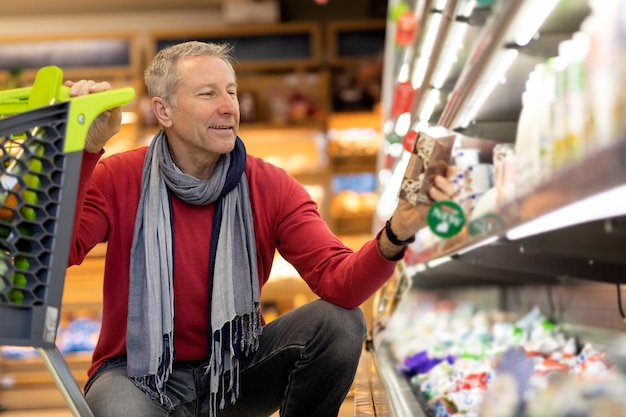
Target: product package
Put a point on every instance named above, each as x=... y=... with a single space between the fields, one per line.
x=429 y=158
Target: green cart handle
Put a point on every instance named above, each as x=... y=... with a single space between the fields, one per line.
x=85 y=109
x=48 y=89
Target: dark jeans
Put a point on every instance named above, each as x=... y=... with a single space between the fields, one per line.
x=304 y=366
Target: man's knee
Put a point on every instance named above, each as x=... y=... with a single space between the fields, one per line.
x=345 y=323
x=113 y=394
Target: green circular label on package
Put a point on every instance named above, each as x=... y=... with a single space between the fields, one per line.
x=445 y=218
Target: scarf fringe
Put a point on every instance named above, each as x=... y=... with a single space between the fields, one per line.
x=239 y=336
x=154 y=385
x=151 y=386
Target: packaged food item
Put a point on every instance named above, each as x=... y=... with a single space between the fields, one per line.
x=528 y=135
x=466 y=157
x=504 y=172
x=475 y=179
x=429 y=158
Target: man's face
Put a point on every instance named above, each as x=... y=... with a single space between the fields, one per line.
x=206 y=117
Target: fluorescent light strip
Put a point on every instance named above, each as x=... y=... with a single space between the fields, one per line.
x=600 y=206
x=438 y=261
x=532 y=18
x=403 y=74
x=403 y=123
x=431 y=34
x=429 y=105
x=451 y=50
x=389 y=197
x=420 y=71
x=427 y=47
x=477 y=245
x=440 y=4
x=490 y=80
x=465 y=10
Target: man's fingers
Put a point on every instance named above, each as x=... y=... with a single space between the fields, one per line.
x=84 y=87
x=444 y=187
x=452 y=171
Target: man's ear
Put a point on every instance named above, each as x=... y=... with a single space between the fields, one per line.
x=162 y=111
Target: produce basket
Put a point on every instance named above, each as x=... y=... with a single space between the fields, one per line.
x=42 y=136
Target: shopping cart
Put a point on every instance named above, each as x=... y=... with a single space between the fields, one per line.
x=42 y=135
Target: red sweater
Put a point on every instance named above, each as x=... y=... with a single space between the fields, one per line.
x=285 y=218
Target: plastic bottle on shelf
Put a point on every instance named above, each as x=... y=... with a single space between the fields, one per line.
x=605 y=66
x=558 y=115
x=533 y=165
x=544 y=122
x=573 y=52
x=527 y=139
x=504 y=172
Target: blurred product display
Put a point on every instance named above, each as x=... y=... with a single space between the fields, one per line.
x=518 y=314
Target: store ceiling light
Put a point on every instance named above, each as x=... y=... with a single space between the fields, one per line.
x=600 y=206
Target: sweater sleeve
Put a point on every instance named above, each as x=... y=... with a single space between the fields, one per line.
x=333 y=271
x=83 y=239
x=107 y=198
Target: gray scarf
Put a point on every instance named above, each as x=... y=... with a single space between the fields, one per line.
x=235 y=318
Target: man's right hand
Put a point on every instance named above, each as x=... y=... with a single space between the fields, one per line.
x=106 y=124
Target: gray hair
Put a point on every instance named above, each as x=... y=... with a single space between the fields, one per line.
x=161 y=75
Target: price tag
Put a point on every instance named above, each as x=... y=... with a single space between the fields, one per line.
x=445 y=218
x=405 y=28
x=403 y=97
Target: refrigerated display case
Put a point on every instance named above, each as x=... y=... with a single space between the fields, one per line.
x=551 y=241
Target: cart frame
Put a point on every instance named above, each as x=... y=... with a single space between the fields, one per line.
x=42 y=137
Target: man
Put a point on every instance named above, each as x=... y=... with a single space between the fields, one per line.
x=192 y=224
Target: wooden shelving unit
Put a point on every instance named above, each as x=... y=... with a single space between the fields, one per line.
x=273 y=62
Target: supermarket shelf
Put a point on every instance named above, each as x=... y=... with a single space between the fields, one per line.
x=403 y=398
x=489 y=31
x=543 y=257
x=490 y=42
x=352 y=163
x=570 y=271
